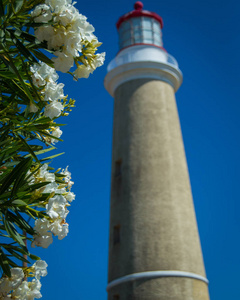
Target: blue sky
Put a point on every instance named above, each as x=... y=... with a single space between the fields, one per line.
x=204 y=37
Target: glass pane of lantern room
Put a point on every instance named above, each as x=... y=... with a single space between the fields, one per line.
x=125 y=43
x=126 y=36
x=147 y=37
x=137 y=33
x=147 y=23
x=157 y=39
x=137 y=37
x=156 y=26
x=147 y=34
x=125 y=26
x=136 y=23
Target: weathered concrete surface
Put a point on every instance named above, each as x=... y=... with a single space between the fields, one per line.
x=151 y=197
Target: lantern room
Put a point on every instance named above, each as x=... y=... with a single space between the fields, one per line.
x=140 y=27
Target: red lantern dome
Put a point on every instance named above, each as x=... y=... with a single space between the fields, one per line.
x=139 y=12
x=140 y=27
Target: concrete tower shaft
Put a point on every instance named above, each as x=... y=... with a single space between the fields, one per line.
x=154 y=247
x=152 y=225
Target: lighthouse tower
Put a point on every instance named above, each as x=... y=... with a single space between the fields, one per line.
x=154 y=247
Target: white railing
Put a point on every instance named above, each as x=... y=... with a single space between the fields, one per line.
x=139 y=53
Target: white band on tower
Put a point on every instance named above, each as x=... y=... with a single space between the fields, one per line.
x=142 y=61
x=154 y=274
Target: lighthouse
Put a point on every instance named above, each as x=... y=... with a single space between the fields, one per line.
x=154 y=246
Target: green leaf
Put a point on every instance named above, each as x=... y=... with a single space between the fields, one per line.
x=18 y=202
x=11 y=230
x=20 y=221
x=51 y=157
x=36 y=186
x=34 y=257
x=17 y=5
x=19 y=170
x=25 y=52
x=23 y=84
x=25 y=225
x=26 y=36
x=1 y=8
x=7 y=75
x=28 y=148
x=8 y=153
x=16 y=248
x=42 y=57
x=43 y=151
x=4 y=263
x=18 y=256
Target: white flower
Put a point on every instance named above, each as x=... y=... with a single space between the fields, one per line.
x=44 y=33
x=99 y=59
x=49 y=177
x=50 y=188
x=67 y=14
x=28 y=290
x=67 y=177
x=70 y=196
x=45 y=175
x=42 y=240
x=67 y=174
x=41 y=226
x=57 y=39
x=42 y=13
x=73 y=45
x=62 y=62
x=16 y=277
x=34 y=290
x=84 y=28
x=53 y=91
x=42 y=73
x=8 y=284
x=56 y=5
x=53 y=110
x=5 y=286
x=59 y=228
x=40 y=269
x=46 y=72
x=61 y=191
x=56 y=207
x=21 y=291
x=56 y=132
x=82 y=71
x=37 y=79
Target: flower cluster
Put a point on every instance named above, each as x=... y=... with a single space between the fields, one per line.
x=45 y=77
x=16 y=288
x=69 y=35
x=56 y=207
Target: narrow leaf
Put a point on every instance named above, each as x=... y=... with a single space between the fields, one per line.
x=18 y=256
x=25 y=52
x=1 y=8
x=4 y=263
x=28 y=147
x=42 y=57
x=22 y=167
x=51 y=157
